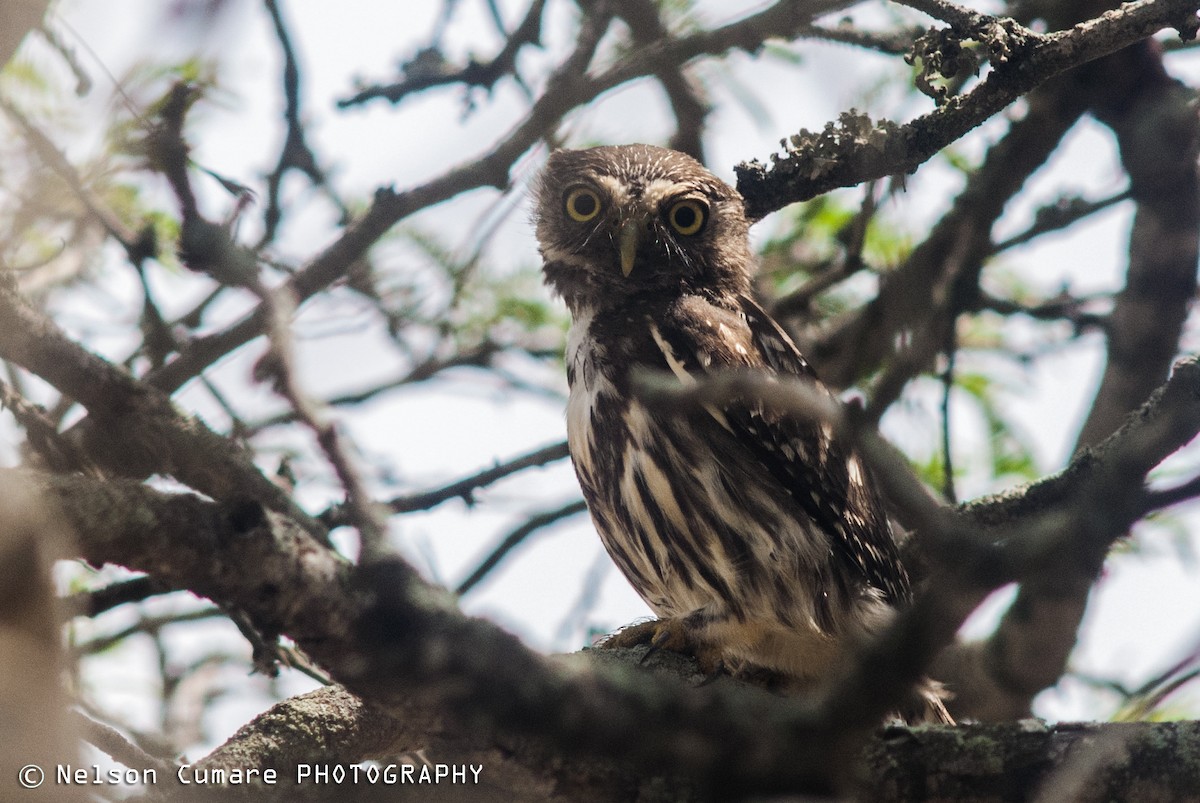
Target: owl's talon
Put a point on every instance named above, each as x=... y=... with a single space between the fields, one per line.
x=632 y=636
x=671 y=635
x=664 y=638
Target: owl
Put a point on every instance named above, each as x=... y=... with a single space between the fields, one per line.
x=756 y=538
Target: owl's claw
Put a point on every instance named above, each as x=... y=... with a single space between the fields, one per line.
x=667 y=636
x=672 y=635
x=632 y=636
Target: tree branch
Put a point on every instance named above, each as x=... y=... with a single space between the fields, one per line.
x=429 y=68
x=517 y=536
x=465 y=487
x=941 y=276
x=138 y=431
x=856 y=150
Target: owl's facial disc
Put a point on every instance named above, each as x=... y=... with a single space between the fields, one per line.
x=683 y=216
x=643 y=218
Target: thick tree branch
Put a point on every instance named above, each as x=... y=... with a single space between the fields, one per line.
x=976 y=762
x=389 y=635
x=1155 y=120
x=138 y=432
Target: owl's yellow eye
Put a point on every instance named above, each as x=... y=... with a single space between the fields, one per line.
x=582 y=204
x=687 y=217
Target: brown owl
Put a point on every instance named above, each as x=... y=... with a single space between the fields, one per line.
x=756 y=538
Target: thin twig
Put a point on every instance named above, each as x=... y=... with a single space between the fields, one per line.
x=97 y=601
x=947 y=389
x=1059 y=216
x=362 y=512
x=148 y=624
x=517 y=536
x=462 y=489
x=109 y=740
x=892 y=43
x=429 y=69
x=1153 y=500
x=295 y=153
x=478 y=356
x=853 y=237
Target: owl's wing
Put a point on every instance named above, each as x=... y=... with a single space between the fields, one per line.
x=825 y=479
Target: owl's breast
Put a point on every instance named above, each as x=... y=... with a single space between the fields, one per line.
x=688 y=512
x=592 y=406
x=601 y=354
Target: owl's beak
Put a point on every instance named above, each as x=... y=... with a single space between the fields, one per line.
x=629 y=238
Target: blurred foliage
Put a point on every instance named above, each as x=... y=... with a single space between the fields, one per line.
x=146 y=90
x=816 y=232
x=54 y=237
x=1011 y=454
x=473 y=304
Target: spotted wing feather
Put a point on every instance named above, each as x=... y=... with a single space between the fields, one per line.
x=825 y=479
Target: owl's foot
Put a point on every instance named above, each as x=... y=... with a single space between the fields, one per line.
x=672 y=635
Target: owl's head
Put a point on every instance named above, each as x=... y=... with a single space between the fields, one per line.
x=618 y=222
